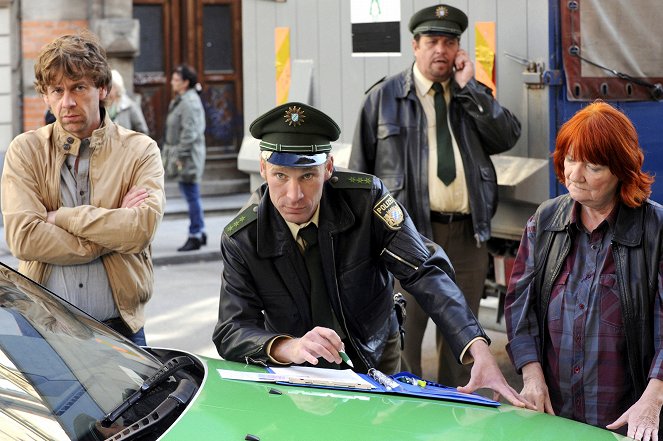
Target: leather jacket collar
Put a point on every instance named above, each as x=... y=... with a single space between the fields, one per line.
x=628 y=227
x=407 y=85
x=273 y=233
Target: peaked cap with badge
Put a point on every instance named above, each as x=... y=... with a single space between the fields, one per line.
x=297 y=134
x=439 y=19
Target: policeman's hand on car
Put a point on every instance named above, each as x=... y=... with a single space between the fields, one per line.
x=486 y=373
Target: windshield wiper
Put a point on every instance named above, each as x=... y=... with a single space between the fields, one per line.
x=169 y=367
x=177 y=398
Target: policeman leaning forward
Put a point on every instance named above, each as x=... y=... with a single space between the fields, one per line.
x=308 y=265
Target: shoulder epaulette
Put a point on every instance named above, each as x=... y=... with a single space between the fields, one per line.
x=244 y=218
x=343 y=179
x=375 y=84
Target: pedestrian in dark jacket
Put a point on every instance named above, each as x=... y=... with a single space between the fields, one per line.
x=308 y=267
x=428 y=133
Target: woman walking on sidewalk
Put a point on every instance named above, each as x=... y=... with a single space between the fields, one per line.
x=184 y=149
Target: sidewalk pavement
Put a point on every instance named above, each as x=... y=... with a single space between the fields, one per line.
x=173 y=231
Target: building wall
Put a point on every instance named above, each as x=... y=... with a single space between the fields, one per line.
x=7 y=100
x=320 y=31
x=44 y=20
x=27 y=25
x=35 y=34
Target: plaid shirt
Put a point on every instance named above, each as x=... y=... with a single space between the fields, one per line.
x=585 y=361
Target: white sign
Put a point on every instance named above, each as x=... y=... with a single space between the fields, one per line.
x=375 y=11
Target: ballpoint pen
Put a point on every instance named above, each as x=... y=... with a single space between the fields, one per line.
x=346 y=359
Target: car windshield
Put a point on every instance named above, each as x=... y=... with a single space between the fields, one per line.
x=60 y=370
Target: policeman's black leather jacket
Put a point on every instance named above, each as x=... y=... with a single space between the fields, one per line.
x=264 y=290
x=391 y=142
x=637 y=243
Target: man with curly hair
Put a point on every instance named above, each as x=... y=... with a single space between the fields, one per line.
x=82 y=197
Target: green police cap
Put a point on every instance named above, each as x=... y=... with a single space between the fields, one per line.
x=443 y=19
x=298 y=135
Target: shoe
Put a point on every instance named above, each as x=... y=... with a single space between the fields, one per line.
x=191 y=244
x=203 y=240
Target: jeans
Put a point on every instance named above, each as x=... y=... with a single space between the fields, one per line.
x=139 y=337
x=191 y=192
x=117 y=324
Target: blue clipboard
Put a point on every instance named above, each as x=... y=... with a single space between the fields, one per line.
x=402 y=384
x=408 y=384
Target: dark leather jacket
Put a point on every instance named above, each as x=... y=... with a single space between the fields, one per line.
x=391 y=142
x=264 y=291
x=637 y=252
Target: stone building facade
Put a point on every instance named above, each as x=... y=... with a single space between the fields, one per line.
x=195 y=32
x=26 y=25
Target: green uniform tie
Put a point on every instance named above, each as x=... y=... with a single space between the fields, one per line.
x=321 y=312
x=446 y=165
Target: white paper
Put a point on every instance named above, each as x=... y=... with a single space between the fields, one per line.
x=249 y=376
x=323 y=377
x=302 y=375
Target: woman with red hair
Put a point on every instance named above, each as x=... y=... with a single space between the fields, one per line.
x=583 y=307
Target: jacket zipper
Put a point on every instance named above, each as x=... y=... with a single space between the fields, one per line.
x=250 y=360
x=58 y=198
x=619 y=264
x=627 y=310
x=89 y=174
x=470 y=175
x=471 y=98
x=340 y=307
x=400 y=259
x=544 y=301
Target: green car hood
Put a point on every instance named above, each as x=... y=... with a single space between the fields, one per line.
x=232 y=410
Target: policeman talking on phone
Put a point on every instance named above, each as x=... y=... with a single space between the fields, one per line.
x=428 y=133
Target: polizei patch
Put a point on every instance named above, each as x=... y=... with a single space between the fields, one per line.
x=389 y=211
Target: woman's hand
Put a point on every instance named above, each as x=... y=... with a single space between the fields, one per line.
x=642 y=417
x=535 y=389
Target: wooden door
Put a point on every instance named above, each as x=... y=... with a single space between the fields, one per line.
x=205 y=34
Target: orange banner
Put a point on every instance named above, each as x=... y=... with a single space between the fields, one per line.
x=282 y=64
x=485 y=53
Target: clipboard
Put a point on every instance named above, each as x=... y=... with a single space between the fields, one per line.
x=403 y=383
x=406 y=383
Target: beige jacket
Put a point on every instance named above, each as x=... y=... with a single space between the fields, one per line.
x=119 y=160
